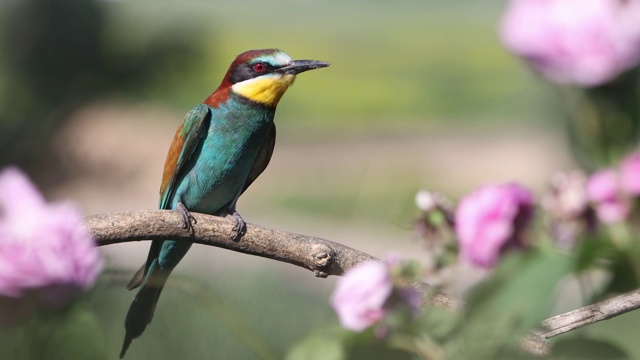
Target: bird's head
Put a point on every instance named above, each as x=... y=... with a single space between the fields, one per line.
x=263 y=76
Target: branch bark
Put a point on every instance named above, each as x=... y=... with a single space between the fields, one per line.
x=321 y=256
x=590 y=314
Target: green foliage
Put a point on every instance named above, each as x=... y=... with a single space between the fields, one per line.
x=339 y=344
x=255 y=314
x=585 y=348
x=73 y=333
x=512 y=302
x=322 y=344
x=615 y=250
x=603 y=122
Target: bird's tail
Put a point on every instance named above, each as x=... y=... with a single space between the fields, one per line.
x=143 y=305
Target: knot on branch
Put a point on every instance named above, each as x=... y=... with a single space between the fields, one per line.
x=322 y=258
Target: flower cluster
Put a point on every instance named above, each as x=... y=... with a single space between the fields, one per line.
x=494 y=218
x=46 y=254
x=579 y=42
x=592 y=45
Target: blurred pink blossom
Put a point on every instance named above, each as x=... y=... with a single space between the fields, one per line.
x=491 y=220
x=45 y=252
x=630 y=174
x=579 y=42
x=603 y=189
x=360 y=295
x=603 y=185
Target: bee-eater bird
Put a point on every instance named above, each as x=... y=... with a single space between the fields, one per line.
x=220 y=148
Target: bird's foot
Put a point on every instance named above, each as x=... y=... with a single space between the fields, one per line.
x=240 y=226
x=187 y=219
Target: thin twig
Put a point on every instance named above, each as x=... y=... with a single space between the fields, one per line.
x=590 y=314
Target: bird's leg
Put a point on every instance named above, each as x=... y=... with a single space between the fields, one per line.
x=240 y=226
x=187 y=219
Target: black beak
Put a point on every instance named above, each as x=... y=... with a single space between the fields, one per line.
x=298 y=66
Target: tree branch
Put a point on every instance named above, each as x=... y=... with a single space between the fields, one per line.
x=590 y=314
x=321 y=256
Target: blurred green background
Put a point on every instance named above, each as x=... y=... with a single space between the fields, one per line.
x=420 y=94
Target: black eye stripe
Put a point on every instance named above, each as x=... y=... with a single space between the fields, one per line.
x=247 y=71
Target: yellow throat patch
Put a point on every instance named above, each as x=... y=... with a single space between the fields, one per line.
x=266 y=89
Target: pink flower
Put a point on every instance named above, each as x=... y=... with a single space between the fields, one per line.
x=603 y=185
x=491 y=220
x=360 y=295
x=603 y=189
x=580 y=42
x=45 y=251
x=630 y=174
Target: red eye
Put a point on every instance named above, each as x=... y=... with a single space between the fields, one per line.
x=259 y=67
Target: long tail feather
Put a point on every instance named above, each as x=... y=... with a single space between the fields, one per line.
x=142 y=308
x=137 y=278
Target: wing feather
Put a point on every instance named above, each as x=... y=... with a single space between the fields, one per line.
x=187 y=138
